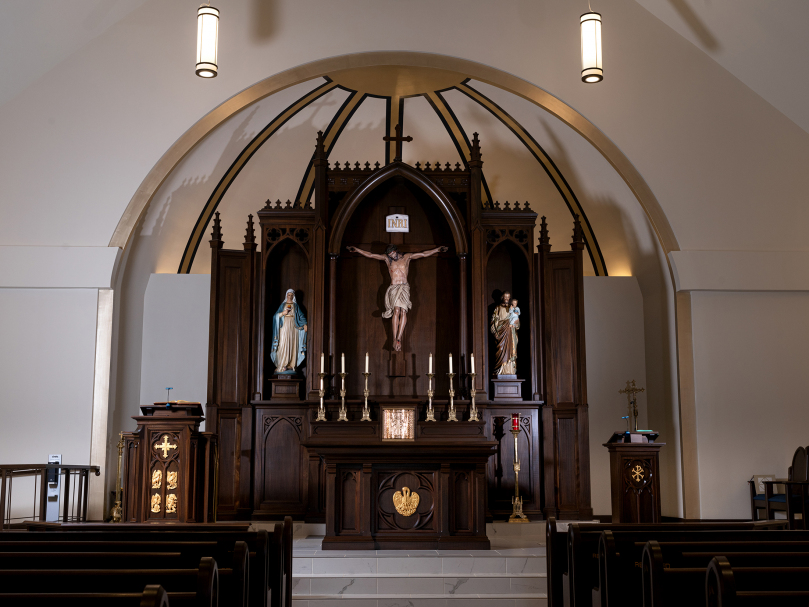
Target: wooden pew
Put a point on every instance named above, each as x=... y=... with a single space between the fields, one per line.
x=185 y=587
x=674 y=573
x=140 y=537
x=152 y=596
x=281 y=565
x=581 y=544
x=726 y=586
x=232 y=579
x=190 y=545
x=585 y=567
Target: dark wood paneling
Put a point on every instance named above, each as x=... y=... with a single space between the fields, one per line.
x=229 y=431
x=566 y=456
x=282 y=463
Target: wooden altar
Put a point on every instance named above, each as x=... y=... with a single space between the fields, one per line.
x=272 y=458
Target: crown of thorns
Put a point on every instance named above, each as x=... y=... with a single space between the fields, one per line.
x=392 y=248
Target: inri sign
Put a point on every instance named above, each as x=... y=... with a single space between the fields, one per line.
x=397 y=223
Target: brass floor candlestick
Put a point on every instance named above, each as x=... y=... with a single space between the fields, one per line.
x=321 y=409
x=366 y=412
x=117 y=511
x=451 y=417
x=473 y=410
x=430 y=412
x=343 y=413
x=517 y=515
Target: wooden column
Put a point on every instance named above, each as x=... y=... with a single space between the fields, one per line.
x=462 y=313
x=333 y=321
x=317 y=269
x=565 y=427
x=477 y=247
x=216 y=246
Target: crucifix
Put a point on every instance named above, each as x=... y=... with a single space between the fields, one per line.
x=398 y=139
x=630 y=392
x=165 y=446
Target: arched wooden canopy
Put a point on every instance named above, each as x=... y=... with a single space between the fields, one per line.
x=398 y=169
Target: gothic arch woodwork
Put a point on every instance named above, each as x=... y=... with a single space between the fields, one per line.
x=350 y=204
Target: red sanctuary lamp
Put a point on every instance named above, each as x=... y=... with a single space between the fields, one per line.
x=515 y=425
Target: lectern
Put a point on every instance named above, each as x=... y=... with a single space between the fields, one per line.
x=170 y=466
x=635 y=475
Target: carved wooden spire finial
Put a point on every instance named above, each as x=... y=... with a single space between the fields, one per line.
x=250 y=234
x=578 y=234
x=475 y=152
x=216 y=233
x=320 y=146
x=544 y=240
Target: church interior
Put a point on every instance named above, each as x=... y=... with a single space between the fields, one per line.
x=404 y=303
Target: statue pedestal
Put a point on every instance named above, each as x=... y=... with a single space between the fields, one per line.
x=286 y=387
x=507 y=389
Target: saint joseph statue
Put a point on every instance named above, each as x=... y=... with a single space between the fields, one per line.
x=504 y=325
x=397 y=297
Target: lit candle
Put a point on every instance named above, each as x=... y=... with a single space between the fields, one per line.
x=366 y=362
x=515 y=421
x=343 y=362
x=322 y=363
x=431 y=363
x=450 y=363
x=473 y=363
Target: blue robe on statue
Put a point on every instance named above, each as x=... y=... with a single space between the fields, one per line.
x=278 y=323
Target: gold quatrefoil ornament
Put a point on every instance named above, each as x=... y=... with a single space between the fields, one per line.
x=405 y=502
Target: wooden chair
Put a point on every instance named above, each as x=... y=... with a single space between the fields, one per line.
x=793 y=500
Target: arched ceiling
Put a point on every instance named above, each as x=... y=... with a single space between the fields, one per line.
x=449 y=104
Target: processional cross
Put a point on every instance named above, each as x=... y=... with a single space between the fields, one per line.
x=165 y=446
x=398 y=139
x=630 y=392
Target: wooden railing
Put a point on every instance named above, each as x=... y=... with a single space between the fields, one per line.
x=73 y=492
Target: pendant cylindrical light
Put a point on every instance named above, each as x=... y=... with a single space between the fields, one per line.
x=591 y=67
x=207 y=41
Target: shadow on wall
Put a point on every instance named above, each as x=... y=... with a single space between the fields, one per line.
x=264 y=22
x=697 y=26
x=648 y=264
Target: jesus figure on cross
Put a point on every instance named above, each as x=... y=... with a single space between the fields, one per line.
x=397 y=297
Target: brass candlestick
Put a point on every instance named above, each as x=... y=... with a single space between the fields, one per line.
x=430 y=412
x=451 y=417
x=321 y=409
x=366 y=412
x=343 y=417
x=517 y=515
x=473 y=410
x=117 y=511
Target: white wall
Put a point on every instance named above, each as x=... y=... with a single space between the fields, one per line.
x=46 y=371
x=175 y=338
x=613 y=324
x=750 y=353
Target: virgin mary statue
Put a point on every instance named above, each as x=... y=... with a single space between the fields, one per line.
x=289 y=330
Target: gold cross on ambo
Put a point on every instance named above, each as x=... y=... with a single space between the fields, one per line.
x=165 y=446
x=630 y=391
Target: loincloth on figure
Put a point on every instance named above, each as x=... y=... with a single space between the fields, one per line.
x=397 y=296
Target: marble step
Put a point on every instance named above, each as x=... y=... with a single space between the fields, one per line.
x=422 y=601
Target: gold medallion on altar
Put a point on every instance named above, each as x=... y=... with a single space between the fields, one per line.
x=406 y=502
